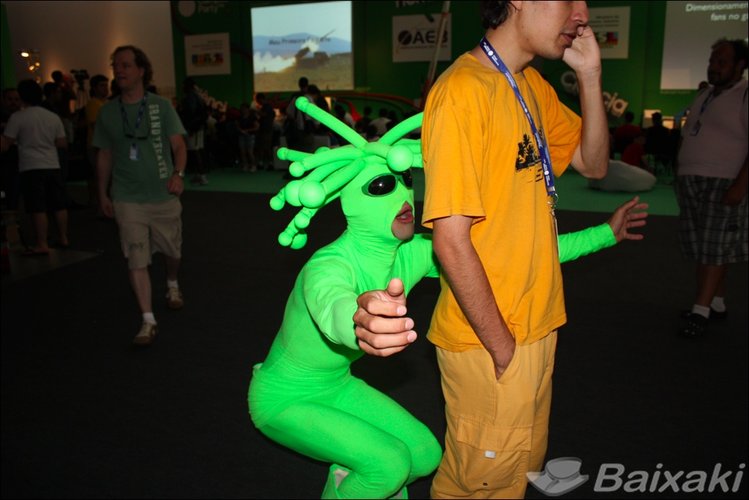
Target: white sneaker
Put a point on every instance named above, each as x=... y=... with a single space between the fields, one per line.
x=174 y=298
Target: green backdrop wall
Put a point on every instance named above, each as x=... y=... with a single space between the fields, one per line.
x=636 y=79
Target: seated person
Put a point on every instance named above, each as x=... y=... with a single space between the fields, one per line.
x=625 y=133
x=622 y=176
x=634 y=153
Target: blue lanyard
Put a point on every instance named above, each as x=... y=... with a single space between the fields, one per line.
x=540 y=143
x=707 y=101
x=138 y=119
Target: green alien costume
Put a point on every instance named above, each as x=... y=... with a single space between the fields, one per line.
x=303 y=395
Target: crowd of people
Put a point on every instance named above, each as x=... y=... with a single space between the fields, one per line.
x=653 y=148
x=245 y=136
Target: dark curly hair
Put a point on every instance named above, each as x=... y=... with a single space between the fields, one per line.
x=494 y=13
x=141 y=60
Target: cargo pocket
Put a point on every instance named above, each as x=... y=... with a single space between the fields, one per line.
x=498 y=456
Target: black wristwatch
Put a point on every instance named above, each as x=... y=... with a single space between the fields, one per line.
x=180 y=173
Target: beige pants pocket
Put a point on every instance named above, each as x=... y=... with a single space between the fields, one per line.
x=497 y=455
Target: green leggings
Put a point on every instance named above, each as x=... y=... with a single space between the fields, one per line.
x=348 y=423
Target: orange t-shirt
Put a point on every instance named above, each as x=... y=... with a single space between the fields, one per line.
x=481 y=161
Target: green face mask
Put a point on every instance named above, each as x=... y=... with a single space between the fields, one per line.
x=372 y=200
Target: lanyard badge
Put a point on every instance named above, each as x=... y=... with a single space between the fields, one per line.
x=540 y=143
x=698 y=124
x=134 y=151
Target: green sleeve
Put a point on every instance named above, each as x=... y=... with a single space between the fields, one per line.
x=330 y=295
x=590 y=240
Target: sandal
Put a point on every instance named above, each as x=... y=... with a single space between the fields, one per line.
x=146 y=334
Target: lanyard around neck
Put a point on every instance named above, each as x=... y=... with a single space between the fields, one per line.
x=138 y=119
x=540 y=143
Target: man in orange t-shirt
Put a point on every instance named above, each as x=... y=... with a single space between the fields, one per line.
x=488 y=177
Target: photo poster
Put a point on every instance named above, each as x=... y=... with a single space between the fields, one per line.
x=415 y=38
x=208 y=54
x=611 y=26
x=691 y=30
x=311 y=40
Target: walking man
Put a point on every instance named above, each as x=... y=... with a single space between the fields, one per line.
x=136 y=134
x=712 y=183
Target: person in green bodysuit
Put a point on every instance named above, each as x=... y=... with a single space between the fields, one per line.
x=303 y=394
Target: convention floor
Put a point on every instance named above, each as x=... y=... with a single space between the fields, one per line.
x=85 y=415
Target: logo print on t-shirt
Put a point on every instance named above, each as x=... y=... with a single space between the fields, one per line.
x=527 y=154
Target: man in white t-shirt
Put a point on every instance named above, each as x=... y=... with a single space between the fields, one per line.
x=39 y=133
x=712 y=182
x=381 y=122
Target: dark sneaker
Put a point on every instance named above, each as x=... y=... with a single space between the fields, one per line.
x=717 y=315
x=695 y=325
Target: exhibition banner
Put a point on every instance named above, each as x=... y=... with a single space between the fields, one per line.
x=611 y=26
x=415 y=38
x=207 y=54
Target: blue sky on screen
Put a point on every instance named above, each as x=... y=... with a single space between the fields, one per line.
x=316 y=18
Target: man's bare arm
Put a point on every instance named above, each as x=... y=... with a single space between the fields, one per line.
x=470 y=284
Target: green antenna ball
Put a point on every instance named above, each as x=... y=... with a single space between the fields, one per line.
x=299 y=241
x=296 y=169
x=400 y=158
x=283 y=153
x=292 y=192
x=276 y=203
x=302 y=103
x=285 y=239
x=312 y=194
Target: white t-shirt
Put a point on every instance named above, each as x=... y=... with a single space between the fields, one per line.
x=381 y=124
x=349 y=120
x=35 y=130
x=714 y=136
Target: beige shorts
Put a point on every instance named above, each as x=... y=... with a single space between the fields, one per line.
x=146 y=228
x=496 y=430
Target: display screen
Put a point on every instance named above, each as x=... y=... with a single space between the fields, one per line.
x=309 y=39
x=691 y=29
